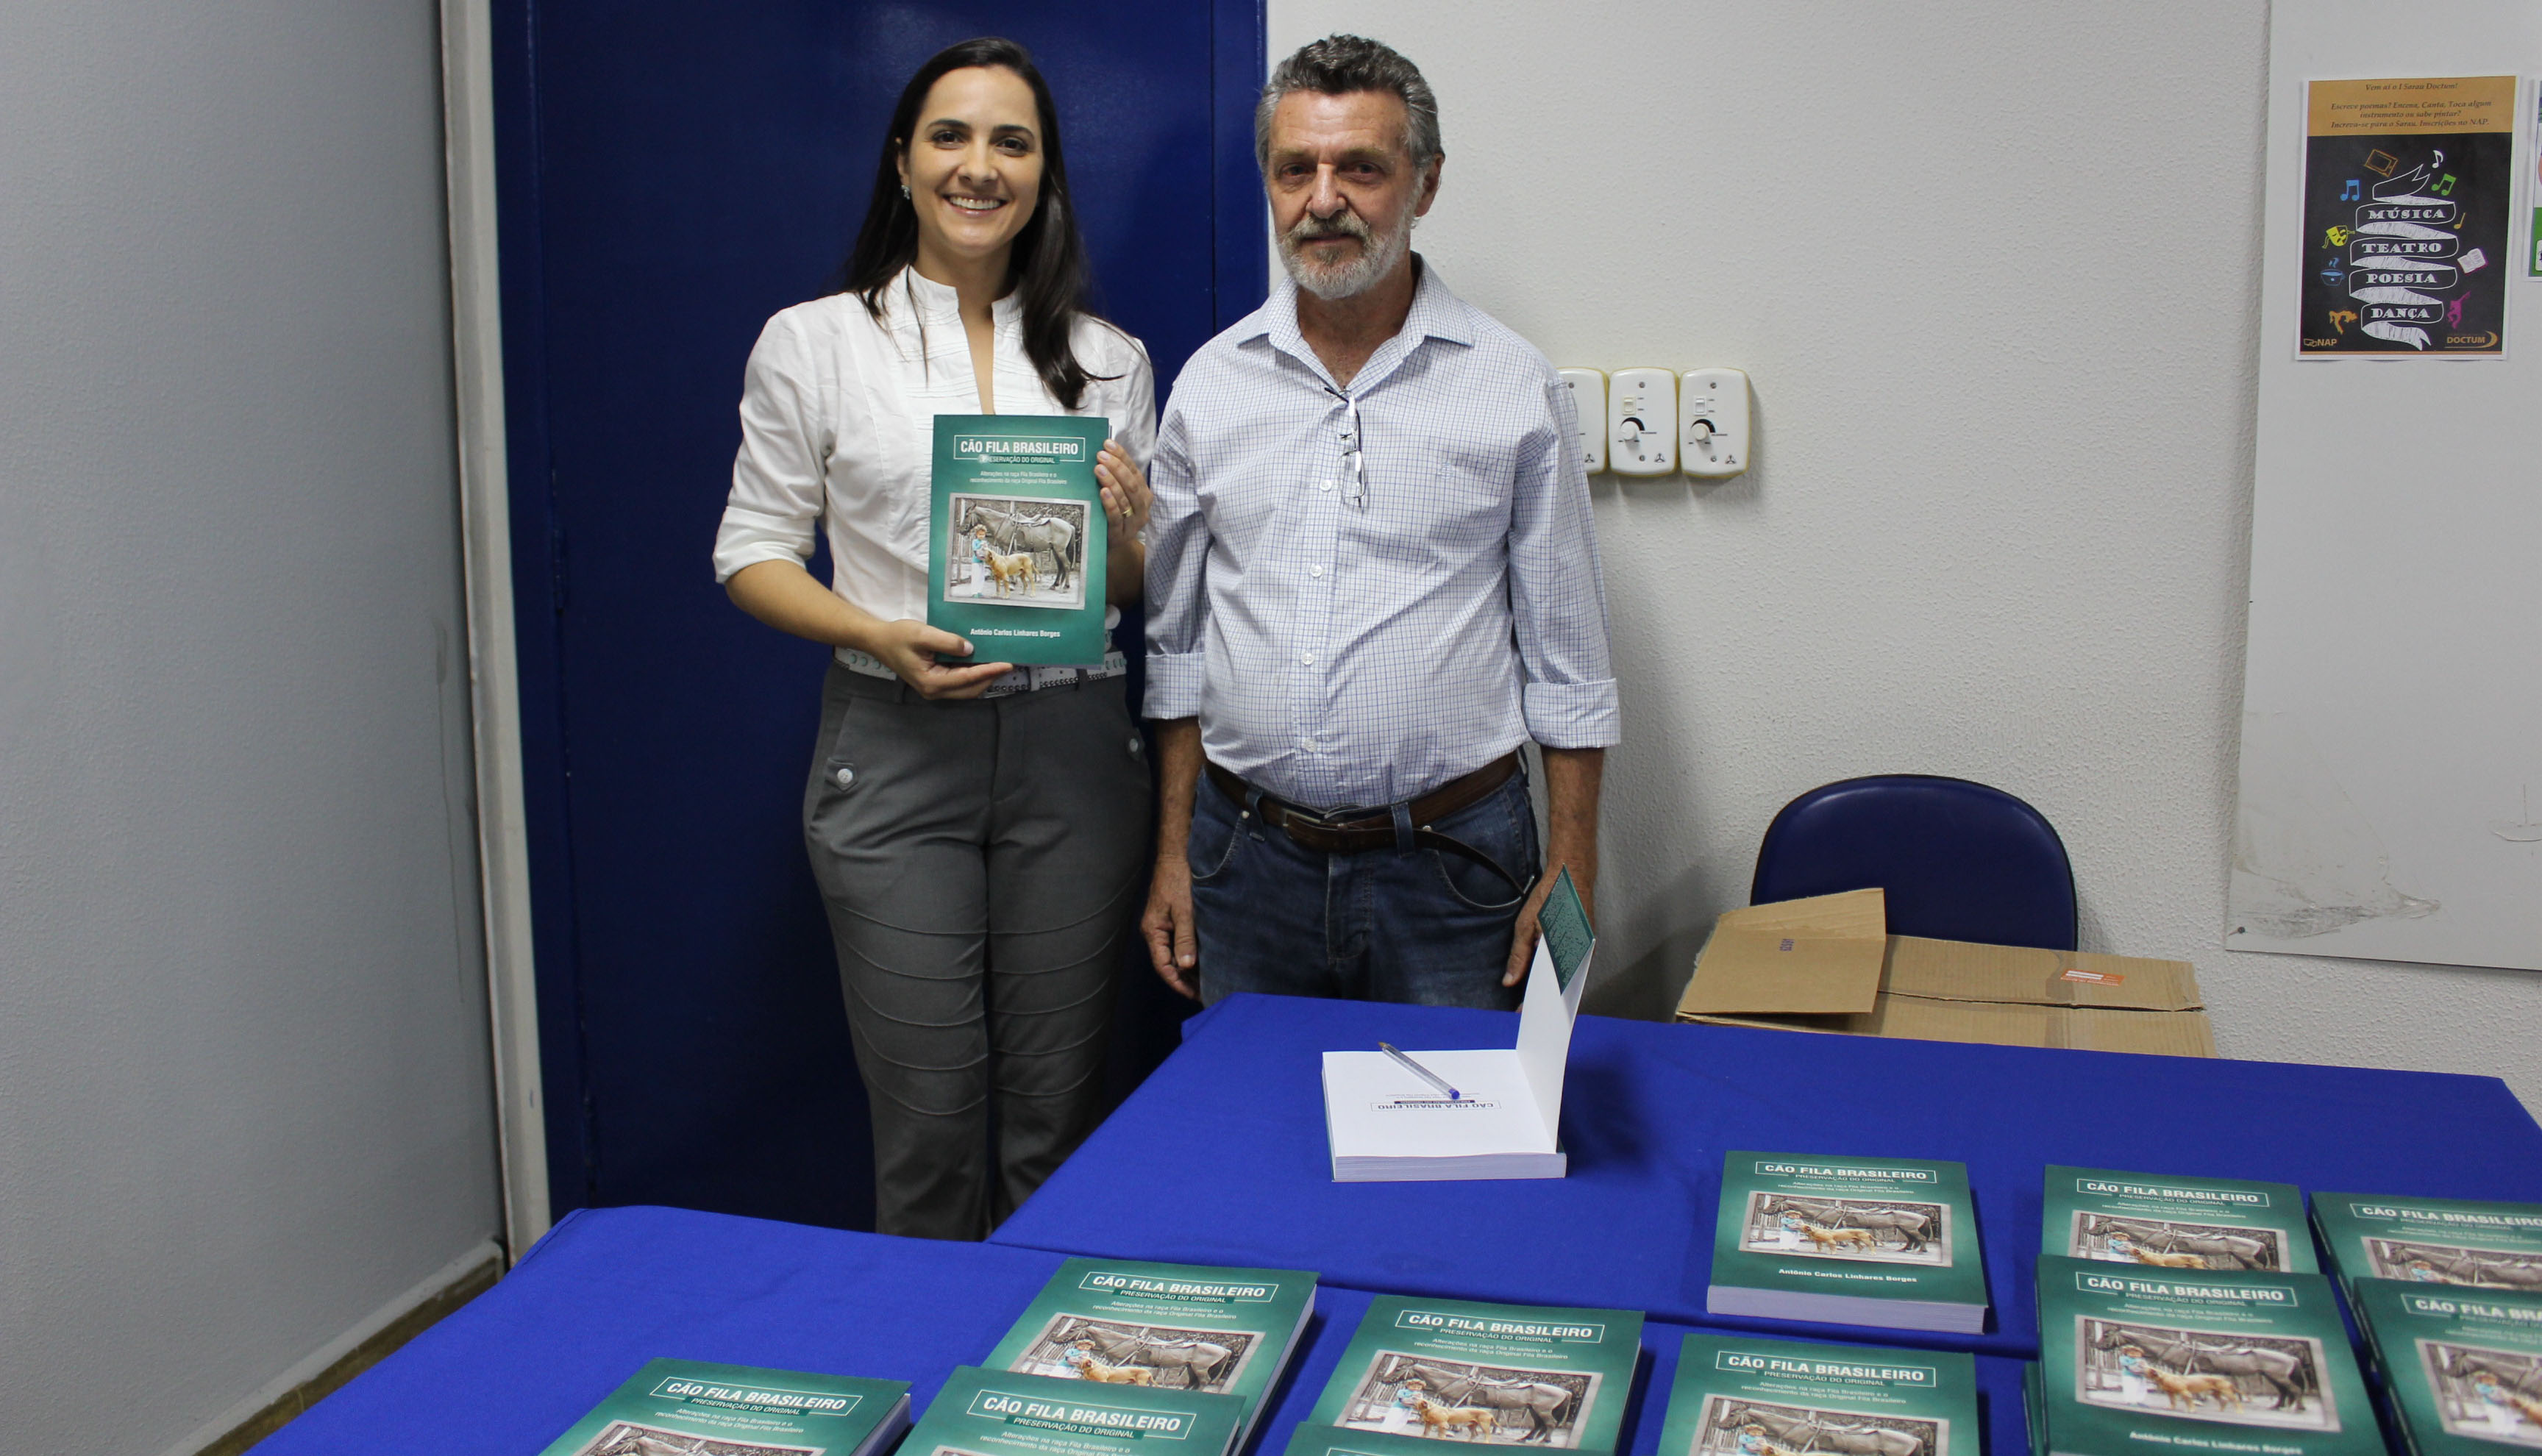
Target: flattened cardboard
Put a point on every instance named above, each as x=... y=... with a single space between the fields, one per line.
x=1808 y=965
x=1802 y=957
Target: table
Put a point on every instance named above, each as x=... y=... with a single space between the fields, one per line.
x=609 y=1289
x=1221 y=1156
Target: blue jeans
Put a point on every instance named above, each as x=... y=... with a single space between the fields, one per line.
x=1420 y=925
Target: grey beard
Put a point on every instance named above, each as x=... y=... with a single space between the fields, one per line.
x=1332 y=282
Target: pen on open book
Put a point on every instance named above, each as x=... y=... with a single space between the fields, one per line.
x=1418 y=1070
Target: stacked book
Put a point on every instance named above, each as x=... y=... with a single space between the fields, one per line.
x=1418 y=1370
x=2134 y=1357
x=2430 y=1241
x=2162 y=1221
x=697 y=1406
x=1172 y=1329
x=1750 y=1396
x=2460 y=1364
x=1891 y=1242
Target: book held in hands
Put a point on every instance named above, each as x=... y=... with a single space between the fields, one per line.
x=1015 y=538
x=1890 y=1242
x=739 y=1411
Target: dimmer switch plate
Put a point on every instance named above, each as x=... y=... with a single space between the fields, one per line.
x=1641 y=422
x=1714 y=406
x=1589 y=405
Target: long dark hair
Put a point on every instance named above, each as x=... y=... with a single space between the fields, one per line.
x=1048 y=264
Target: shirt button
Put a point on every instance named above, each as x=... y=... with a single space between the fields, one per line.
x=845 y=777
x=1315 y=571
x=1307 y=658
x=1326 y=485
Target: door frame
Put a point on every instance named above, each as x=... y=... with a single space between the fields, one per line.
x=490 y=127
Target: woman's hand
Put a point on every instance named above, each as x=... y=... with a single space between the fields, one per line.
x=930 y=659
x=1126 y=498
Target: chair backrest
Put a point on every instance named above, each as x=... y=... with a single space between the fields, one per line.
x=1959 y=860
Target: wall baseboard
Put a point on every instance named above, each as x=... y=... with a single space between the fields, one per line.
x=346 y=1355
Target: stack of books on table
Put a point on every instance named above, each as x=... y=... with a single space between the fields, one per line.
x=1891 y=1242
x=2432 y=1241
x=1167 y=1329
x=2462 y=1366
x=1417 y=1370
x=1753 y=1395
x=2137 y=1356
x=699 y=1406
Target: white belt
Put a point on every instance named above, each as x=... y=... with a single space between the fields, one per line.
x=1021 y=680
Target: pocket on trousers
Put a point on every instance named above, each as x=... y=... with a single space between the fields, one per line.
x=840 y=772
x=1214 y=833
x=1506 y=833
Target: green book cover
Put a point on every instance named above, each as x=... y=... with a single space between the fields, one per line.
x=1749 y=1396
x=2431 y=1241
x=1506 y=1374
x=2033 y=1408
x=1015 y=558
x=2461 y=1364
x=999 y=1412
x=2163 y=1221
x=739 y=1411
x=1167 y=1326
x=1885 y=1241
x=2242 y=1362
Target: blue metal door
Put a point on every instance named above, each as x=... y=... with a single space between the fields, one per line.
x=672 y=174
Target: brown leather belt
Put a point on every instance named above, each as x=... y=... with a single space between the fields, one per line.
x=1363 y=833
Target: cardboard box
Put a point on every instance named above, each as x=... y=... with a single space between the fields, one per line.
x=1827 y=964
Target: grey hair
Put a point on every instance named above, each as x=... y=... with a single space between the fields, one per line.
x=1338 y=65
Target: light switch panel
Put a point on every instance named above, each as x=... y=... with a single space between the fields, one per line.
x=1714 y=406
x=1641 y=422
x=1589 y=406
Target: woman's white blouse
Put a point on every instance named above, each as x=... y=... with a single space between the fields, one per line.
x=838 y=423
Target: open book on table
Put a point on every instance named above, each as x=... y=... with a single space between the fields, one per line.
x=1483 y=1113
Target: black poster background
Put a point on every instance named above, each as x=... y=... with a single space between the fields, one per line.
x=2342 y=179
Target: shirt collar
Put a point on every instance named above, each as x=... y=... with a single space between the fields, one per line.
x=1436 y=313
x=941 y=303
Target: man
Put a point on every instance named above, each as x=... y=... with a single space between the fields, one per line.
x=1370 y=578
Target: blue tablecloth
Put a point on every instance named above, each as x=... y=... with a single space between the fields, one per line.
x=611 y=1288
x=1221 y=1157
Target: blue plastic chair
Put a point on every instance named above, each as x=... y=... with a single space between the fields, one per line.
x=1959 y=860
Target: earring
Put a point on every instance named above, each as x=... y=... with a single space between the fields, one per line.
x=1416 y=219
x=904 y=189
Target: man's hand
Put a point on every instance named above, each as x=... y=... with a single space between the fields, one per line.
x=930 y=659
x=1167 y=924
x=1571 y=779
x=1173 y=942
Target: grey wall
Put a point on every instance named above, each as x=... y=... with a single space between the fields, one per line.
x=1994 y=269
x=244 y=1093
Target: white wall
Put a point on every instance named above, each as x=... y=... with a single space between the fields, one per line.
x=244 y=1094
x=1994 y=272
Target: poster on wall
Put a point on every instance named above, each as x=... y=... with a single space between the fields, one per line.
x=2405 y=208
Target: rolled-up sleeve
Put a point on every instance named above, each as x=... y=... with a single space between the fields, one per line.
x=775 y=509
x=1177 y=584
x=1557 y=591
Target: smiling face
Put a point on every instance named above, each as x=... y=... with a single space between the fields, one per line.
x=973 y=167
x=1344 y=190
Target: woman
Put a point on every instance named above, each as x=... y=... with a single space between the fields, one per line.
x=978 y=833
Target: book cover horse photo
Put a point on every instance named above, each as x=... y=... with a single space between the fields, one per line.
x=2462 y=1363
x=1753 y=1395
x=2172 y=1223
x=1497 y=1374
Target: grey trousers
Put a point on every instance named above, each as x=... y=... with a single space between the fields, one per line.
x=981 y=862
